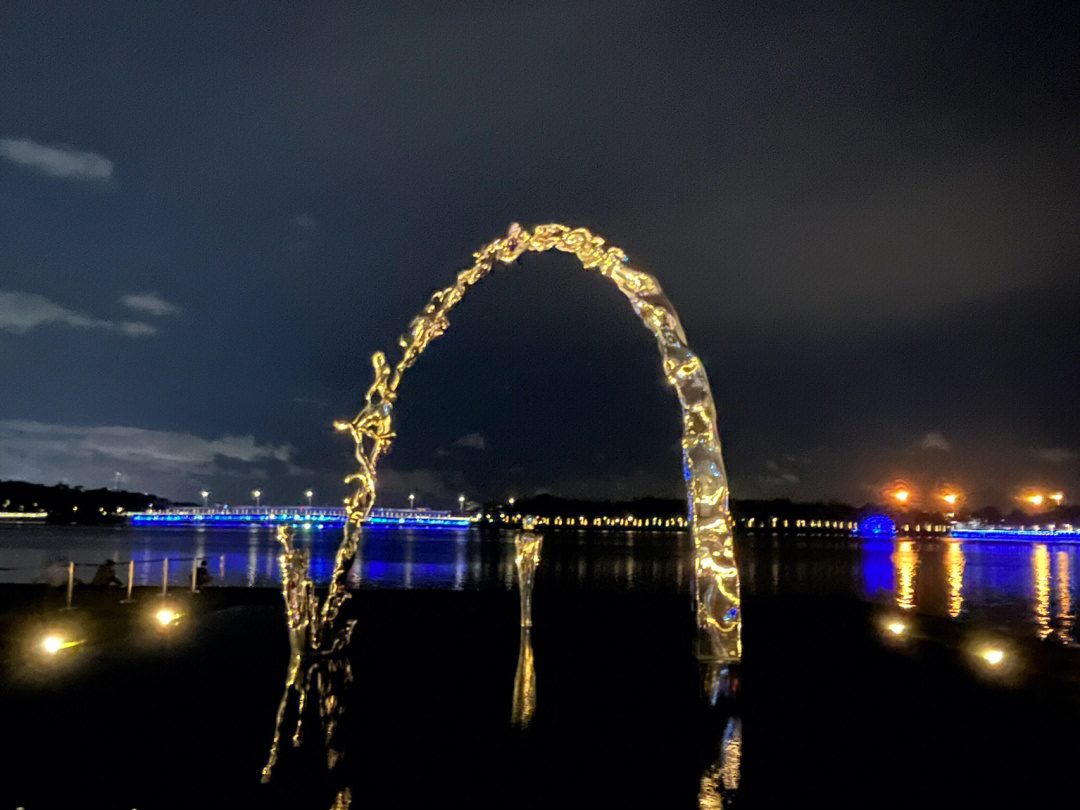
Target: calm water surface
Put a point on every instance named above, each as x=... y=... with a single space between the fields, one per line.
x=1029 y=588
x=434 y=676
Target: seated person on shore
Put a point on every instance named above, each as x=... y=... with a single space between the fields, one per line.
x=202 y=575
x=106 y=575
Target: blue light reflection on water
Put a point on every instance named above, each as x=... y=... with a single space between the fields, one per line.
x=387 y=558
x=1018 y=584
x=1024 y=585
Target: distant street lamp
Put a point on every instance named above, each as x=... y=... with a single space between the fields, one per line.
x=901 y=495
x=205 y=494
x=308 y=495
x=412 y=500
x=257 y=495
x=1035 y=500
x=951 y=498
x=461 y=503
x=510 y=500
x=1057 y=498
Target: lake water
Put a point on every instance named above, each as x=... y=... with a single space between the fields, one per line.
x=1029 y=588
x=835 y=713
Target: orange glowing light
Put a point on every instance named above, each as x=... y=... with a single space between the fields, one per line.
x=1035 y=500
x=950 y=498
x=902 y=495
x=1057 y=497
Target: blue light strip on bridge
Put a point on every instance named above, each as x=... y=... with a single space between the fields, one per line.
x=1016 y=535
x=316 y=520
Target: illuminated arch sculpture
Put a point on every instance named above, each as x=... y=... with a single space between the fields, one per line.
x=717 y=604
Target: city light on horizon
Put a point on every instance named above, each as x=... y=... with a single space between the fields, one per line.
x=901 y=495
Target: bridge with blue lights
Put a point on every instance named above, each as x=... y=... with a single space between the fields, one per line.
x=316 y=517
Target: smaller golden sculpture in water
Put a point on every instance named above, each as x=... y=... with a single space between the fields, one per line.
x=527 y=545
x=524 y=706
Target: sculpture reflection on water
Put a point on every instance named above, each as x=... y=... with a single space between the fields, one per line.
x=316 y=662
x=313 y=624
x=524 y=704
x=720 y=782
x=527 y=546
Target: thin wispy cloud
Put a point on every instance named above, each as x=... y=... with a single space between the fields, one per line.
x=934 y=441
x=472 y=441
x=1057 y=455
x=39 y=451
x=22 y=312
x=57 y=160
x=149 y=302
x=304 y=221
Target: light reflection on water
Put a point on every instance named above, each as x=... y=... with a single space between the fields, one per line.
x=1023 y=586
x=1029 y=587
x=387 y=558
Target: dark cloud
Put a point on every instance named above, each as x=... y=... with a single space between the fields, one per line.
x=866 y=216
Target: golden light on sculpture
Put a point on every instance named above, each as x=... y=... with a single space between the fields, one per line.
x=717 y=598
x=527 y=545
x=312 y=622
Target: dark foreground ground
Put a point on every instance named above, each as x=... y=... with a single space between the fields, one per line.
x=832 y=715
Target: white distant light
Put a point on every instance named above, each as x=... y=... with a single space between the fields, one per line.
x=53 y=644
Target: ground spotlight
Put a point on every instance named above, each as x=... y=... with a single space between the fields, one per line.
x=54 y=643
x=997 y=659
x=895 y=629
x=167 y=616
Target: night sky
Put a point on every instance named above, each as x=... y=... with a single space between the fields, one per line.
x=867 y=217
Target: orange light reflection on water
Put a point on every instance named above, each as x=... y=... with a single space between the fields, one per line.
x=1040 y=563
x=954 y=572
x=1065 y=618
x=906 y=561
